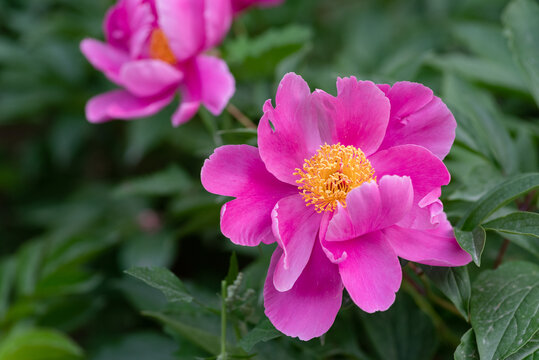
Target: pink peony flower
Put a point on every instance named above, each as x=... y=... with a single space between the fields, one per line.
x=345 y=185
x=155 y=48
x=239 y=5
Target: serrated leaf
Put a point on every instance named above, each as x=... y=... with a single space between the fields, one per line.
x=39 y=344
x=454 y=282
x=504 y=307
x=163 y=280
x=521 y=21
x=473 y=242
x=264 y=331
x=467 y=349
x=521 y=222
x=497 y=197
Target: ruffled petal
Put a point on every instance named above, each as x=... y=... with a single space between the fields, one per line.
x=105 y=58
x=359 y=114
x=182 y=21
x=370 y=207
x=437 y=247
x=426 y=170
x=150 y=77
x=120 y=104
x=295 y=227
x=288 y=134
x=237 y=170
x=370 y=270
x=308 y=309
x=418 y=117
x=218 y=18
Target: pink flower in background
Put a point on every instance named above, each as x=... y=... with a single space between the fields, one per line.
x=155 y=48
x=345 y=185
x=239 y=5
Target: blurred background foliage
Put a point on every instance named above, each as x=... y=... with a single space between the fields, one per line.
x=82 y=203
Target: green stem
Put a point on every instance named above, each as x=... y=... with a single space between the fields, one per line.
x=223 y=355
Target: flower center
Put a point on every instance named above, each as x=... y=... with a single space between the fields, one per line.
x=159 y=48
x=331 y=174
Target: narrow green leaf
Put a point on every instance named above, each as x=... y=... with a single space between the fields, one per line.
x=233 y=269
x=454 y=282
x=521 y=21
x=163 y=280
x=7 y=279
x=497 y=197
x=521 y=222
x=467 y=349
x=503 y=309
x=39 y=344
x=473 y=242
x=264 y=331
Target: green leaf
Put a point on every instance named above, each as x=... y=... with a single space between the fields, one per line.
x=264 y=331
x=454 y=282
x=530 y=351
x=467 y=349
x=233 y=269
x=29 y=262
x=209 y=342
x=473 y=242
x=39 y=344
x=7 y=280
x=170 y=181
x=503 y=309
x=145 y=345
x=521 y=21
x=163 y=280
x=497 y=197
x=521 y=222
x=403 y=332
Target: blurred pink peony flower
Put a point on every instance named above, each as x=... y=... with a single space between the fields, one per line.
x=239 y=5
x=155 y=48
x=345 y=185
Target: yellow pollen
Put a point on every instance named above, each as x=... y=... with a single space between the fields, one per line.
x=331 y=174
x=159 y=48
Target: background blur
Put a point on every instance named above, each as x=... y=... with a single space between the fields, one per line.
x=81 y=203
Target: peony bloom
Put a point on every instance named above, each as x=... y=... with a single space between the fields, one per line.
x=155 y=48
x=239 y=5
x=345 y=185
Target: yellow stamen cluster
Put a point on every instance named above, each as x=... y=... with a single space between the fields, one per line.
x=331 y=174
x=159 y=48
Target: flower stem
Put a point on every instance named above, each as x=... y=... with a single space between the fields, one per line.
x=238 y=115
x=501 y=253
x=223 y=355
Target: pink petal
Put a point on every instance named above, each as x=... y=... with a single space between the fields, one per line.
x=418 y=117
x=104 y=58
x=183 y=23
x=370 y=270
x=150 y=77
x=128 y=25
x=120 y=104
x=288 y=134
x=237 y=170
x=359 y=114
x=437 y=247
x=218 y=84
x=208 y=81
x=295 y=227
x=426 y=170
x=308 y=309
x=240 y=5
x=370 y=207
x=218 y=18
